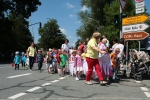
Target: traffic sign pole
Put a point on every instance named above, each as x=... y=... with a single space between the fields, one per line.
x=120 y=22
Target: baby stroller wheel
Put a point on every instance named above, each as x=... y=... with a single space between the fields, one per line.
x=138 y=77
x=131 y=75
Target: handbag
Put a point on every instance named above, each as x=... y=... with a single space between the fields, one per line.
x=12 y=64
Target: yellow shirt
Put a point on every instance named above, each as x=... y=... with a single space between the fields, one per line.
x=83 y=56
x=31 y=51
x=91 y=53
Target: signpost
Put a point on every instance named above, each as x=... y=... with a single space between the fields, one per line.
x=135 y=35
x=140 y=10
x=123 y=4
x=135 y=27
x=139 y=5
x=135 y=19
x=138 y=1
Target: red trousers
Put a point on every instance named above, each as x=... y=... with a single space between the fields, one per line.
x=93 y=63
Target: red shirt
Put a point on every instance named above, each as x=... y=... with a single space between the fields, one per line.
x=81 y=48
x=58 y=58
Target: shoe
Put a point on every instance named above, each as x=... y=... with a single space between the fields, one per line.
x=62 y=75
x=89 y=83
x=117 y=78
x=77 y=78
x=103 y=83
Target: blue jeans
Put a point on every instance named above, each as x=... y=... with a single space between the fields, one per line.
x=115 y=73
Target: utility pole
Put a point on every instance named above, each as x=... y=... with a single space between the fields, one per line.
x=40 y=25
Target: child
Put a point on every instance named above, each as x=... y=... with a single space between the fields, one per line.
x=49 y=62
x=78 y=64
x=84 y=61
x=23 y=60
x=105 y=61
x=40 y=60
x=63 y=60
x=17 y=60
x=58 y=60
x=113 y=57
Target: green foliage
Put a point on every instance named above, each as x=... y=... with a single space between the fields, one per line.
x=51 y=36
x=92 y=20
x=17 y=7
x=21 y=35
x=14 y=27
x=102 y=12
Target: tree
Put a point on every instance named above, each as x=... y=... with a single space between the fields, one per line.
x=51 y=36
x=93 y=19
x=20 y=34
x=17 y=8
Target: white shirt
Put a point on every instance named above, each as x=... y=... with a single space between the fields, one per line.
x=121 y=47
x=70 y=51
x=101 y=47
x=107 y=44
x=113 y=47
x=65 y=47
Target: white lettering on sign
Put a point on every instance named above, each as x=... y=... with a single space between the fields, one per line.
x=128 y=36
x=136 y=36
x=136 y=27
x=141 y=4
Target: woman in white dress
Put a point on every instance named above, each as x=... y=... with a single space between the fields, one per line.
x=105 y=61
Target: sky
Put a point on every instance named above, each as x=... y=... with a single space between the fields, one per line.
x=66 y=14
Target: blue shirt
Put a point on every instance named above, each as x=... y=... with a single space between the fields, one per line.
x=17 y=59
x=40 y=58
x=54 y=59
x=24 y=59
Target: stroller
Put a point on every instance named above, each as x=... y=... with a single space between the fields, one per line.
x=139 y=64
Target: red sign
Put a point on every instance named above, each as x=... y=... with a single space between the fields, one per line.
x=138 y=1
x=123 y=4
x=135 y=35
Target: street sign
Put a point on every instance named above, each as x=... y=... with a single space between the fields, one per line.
x=123 y=4
x=138 y=1
x=133 y=28
x=135 y=35
x=139 y=5
x=134 y=19
x=140 y=10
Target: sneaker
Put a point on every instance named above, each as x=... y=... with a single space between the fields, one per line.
x=89 y=83
x=77 y=78
x=103 y=82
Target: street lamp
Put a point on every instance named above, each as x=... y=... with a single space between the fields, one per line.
x=48 y=18
x=40 y=25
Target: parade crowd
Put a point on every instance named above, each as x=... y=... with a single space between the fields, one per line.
x=100 y=61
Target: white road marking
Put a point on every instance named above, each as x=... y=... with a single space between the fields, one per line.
x=45 y=84
x=33 y=89
x=144 y=88
x=55 y=81
x=19 y=75
x=62 y=78
x=17 y=95
x=138 y=81
x=5 y=67
x=147 y=94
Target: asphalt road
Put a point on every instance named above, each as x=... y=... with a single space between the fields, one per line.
x=33 y=85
